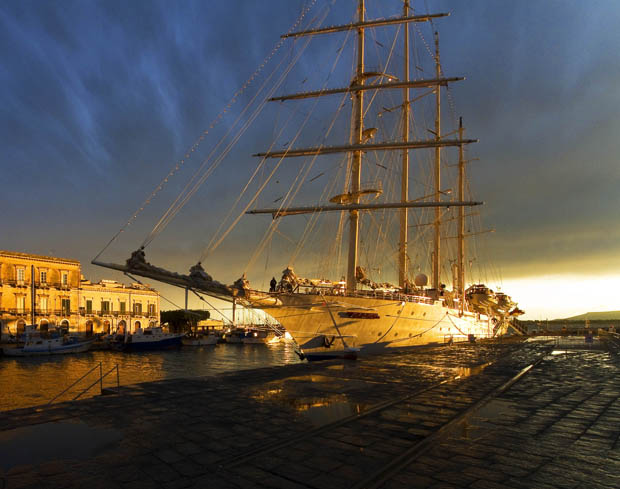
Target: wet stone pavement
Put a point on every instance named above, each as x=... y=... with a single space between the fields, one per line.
x=445 y=417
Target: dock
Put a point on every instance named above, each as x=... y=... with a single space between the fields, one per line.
x=515 y=414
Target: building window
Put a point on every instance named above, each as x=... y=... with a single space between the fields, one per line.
x=66 y=307
x=137 y=308
x=89 y=307
x=43 y=276
x=64 y=280
x=122 y=307
x=20 y=303
x=44 y=305
x=151 y=309
x=105 y=307
x=21 y=275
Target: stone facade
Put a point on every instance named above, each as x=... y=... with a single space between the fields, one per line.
x=63 y=298
x=109 y=306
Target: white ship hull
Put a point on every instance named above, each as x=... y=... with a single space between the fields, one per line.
x=367 y=325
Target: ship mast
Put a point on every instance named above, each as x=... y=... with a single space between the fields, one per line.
x=461 y=233
x=358 y=121
x=356 y=147
x=437 y=246
x=404 y=189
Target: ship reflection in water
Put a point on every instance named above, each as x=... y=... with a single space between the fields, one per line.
x=324 y=398
x=31 y=381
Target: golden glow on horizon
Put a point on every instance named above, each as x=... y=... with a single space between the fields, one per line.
x=561 y=296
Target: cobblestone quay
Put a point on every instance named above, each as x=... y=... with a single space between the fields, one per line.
x=479 y=416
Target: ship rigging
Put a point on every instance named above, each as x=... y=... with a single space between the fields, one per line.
x=330 y=317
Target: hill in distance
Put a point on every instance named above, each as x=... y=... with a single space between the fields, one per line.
x=596 y=316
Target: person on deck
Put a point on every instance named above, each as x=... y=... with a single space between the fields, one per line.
x=272 y=285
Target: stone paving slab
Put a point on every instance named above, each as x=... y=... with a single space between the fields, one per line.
x=559 y=427
x=279 y=427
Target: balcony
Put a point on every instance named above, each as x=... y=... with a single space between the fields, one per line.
x=17 y=283
x=64 y=312
x=38 y=284
x=38 y=312
x=17 y=311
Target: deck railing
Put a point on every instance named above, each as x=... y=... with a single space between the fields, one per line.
x=331 y=290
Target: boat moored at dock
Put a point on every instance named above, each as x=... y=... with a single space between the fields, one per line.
x=36 y=343
x=200 y=340
x=151 y=338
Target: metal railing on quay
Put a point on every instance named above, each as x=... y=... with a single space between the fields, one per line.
x=98 y=381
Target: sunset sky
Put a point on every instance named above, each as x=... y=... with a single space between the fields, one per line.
x=100 y=99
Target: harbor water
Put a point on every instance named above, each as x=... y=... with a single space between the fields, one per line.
x=31 y=381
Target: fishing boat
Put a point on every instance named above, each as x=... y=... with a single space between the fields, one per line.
x=36 y=343
x=200 y=340
x=235 y=335
x=255 y=336
x=356 y=313
x=151 y=338
x=202 y=336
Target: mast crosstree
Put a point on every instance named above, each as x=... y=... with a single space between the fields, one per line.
x=404 y=315
x=357 y=148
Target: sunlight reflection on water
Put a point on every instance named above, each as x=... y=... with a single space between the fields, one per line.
x=31 y=381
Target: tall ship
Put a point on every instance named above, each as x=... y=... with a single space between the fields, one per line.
x=351 y=311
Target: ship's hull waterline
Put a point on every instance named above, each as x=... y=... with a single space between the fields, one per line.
x=326 y=325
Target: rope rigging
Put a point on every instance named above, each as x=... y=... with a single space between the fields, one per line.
x=216 y=121
x=301 y=175
x=197 y=181
x=261 y=176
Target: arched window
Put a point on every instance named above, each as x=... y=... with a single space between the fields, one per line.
x=21 y=326
x=121 y=327
x=44 y=325
x=137 y=325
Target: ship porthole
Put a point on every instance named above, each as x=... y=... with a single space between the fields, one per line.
x=396 y=334
x=379 y=333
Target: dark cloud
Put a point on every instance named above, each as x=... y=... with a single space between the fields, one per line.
x=98 y=99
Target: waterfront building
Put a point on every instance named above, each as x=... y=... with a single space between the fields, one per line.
x=109 y=306
x=51 y=292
